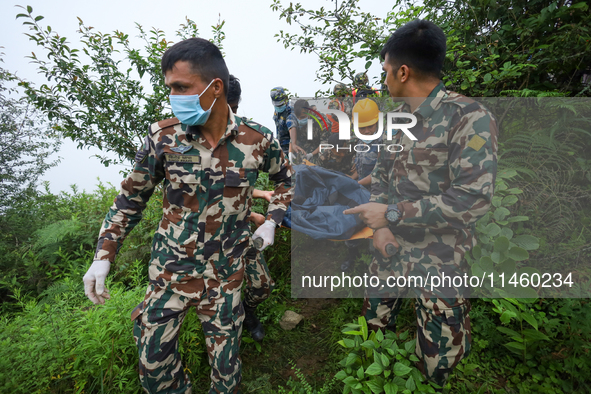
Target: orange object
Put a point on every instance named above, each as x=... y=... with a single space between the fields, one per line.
x=368 y=112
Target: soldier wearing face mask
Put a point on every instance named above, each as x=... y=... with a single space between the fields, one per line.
x=281 y=116
x=208 y=160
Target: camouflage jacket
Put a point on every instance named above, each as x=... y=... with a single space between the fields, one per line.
x=283 y=123
x=207 y=192
x=442 y=182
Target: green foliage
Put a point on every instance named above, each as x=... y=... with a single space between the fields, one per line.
x=25 y=145
x=96 y=96
x=59 y=346
x=511 y=45
x=340 y=34
x=492 y=47
x=499 y=250
x=301 y=385
x=378 y=362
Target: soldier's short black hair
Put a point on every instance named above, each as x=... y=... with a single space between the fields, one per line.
x=299 y=106
x=205 y=58
x=420 y=44
x=234 y=90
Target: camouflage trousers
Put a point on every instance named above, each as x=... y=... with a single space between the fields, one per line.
x=259 y=283
x=443 y=323
x=159 y=317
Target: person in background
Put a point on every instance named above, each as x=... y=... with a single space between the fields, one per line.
x=281 y=117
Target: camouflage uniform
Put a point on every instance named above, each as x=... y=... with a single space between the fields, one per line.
x=442 y=183
x=283 y=122
x=259 y=283
x=198 y=249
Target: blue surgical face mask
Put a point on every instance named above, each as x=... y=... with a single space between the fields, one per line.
x=303 y=122
x=187 y=108
x=368 y=142
x=280 y=109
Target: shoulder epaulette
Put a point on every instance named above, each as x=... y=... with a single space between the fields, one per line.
x=157 y=126
x=466 y=104
x=257 y=127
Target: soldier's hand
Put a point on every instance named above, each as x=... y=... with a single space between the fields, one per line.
x=373 y=214
x=94 y=281
x=267 y=233
x=381 y=238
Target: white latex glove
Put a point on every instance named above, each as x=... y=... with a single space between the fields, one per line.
x=292 y=157
x=267 y=232
x=94 y=281
x=309 y=156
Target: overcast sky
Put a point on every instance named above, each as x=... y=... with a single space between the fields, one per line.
x=252 y=54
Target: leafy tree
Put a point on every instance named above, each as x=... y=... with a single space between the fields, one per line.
x=25 y=143
x=105 y=94
x=493 y=46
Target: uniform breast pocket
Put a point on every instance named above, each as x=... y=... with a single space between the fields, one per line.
x=185 y=185
x=238 y=186
x=427 y=170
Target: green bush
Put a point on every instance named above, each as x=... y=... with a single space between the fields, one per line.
x=62 y=344
x=379 y=363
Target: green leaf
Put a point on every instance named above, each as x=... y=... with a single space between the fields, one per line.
x=390 y=388
x=501 y=244
x=517 y=253
x=506 y=316
x=514 y=219
x=38 y=18
x=375 y=387
x=487 y=77
x=486 y=263
x=492 y=230
x=527 y=242
x=410 y=384
x=530 y=319
x=534 y=335
x=501 y=213
x=368 y=344
x=368 y=65
x=375 y=369
x=360 y=373
x=379 y=336
x=510 y=200
x=341 y=375
x=401 y=369
x=515 y=347
x=512 y=333
x=476 y=252
x=496 y=201
x=507 y=232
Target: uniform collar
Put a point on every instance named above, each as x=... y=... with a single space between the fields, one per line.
x=430 y=104
x=231 y=129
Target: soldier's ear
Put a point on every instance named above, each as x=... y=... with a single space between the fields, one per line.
x=218 y=88
x=403 y=73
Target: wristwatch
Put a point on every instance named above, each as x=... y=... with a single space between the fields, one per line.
x=393 y=215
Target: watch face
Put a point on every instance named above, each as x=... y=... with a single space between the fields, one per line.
x=392 y=215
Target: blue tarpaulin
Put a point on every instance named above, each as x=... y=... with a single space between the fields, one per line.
x=319 y=200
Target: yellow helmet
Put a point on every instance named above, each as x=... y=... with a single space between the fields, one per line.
x=368 y=111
